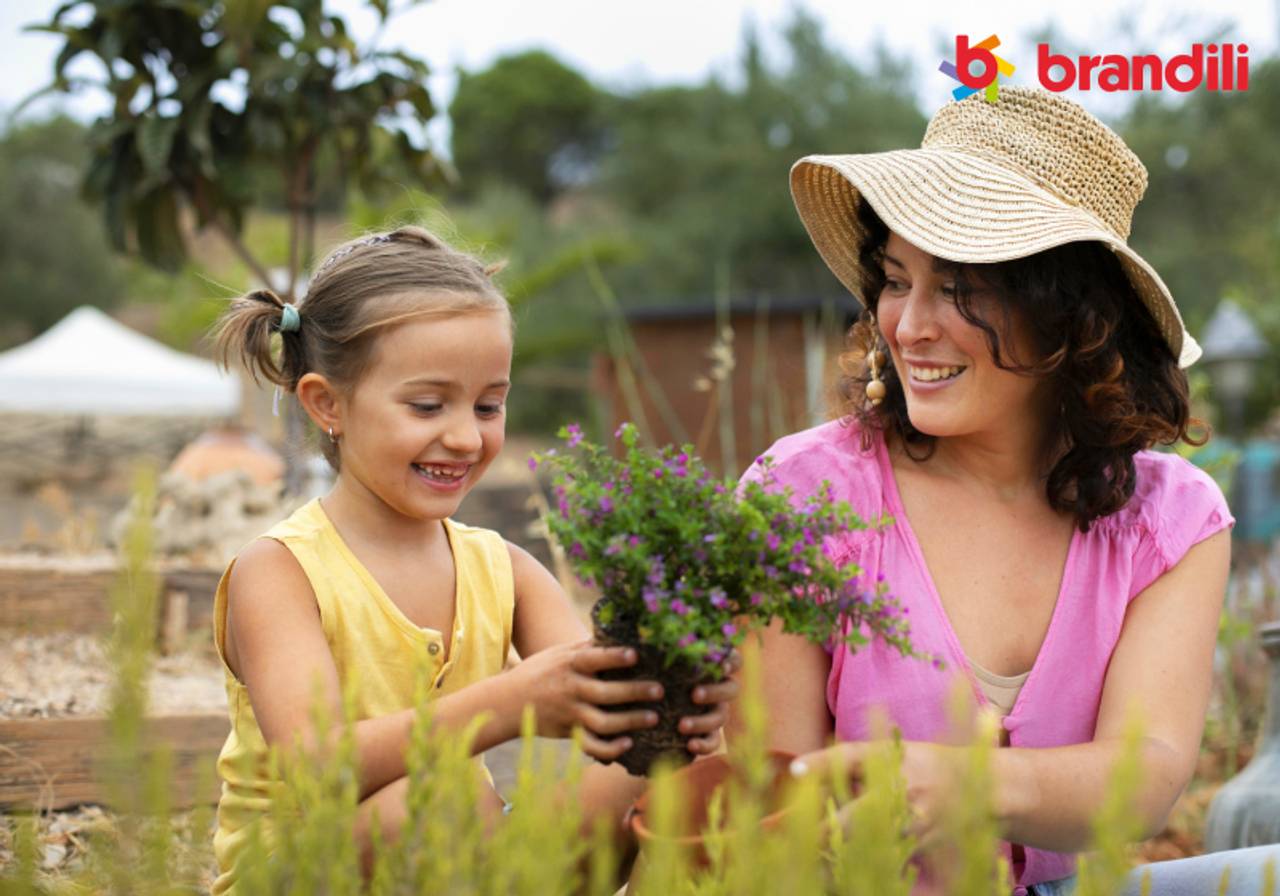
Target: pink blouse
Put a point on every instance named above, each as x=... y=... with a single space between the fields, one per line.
x=1174 y=506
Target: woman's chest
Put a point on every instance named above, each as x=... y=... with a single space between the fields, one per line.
x=996 y=571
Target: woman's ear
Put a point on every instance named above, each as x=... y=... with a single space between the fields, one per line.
x=322 y=402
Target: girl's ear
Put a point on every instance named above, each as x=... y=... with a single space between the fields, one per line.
x=321 y=401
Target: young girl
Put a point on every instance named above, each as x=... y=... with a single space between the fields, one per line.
x=401 y=354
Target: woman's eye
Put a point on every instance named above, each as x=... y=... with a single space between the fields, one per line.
x=949 y=291
x=890 y=283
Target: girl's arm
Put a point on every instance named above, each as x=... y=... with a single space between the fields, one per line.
x=1162 y=667
x=545 y=617
x=277 y=648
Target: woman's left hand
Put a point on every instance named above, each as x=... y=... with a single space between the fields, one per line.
x=704 y=729
x=932 y=773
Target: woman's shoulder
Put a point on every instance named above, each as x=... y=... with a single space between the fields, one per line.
x=831 y=451
x=1174 y=503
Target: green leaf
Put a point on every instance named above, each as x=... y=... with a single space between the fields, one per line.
x=154 y=138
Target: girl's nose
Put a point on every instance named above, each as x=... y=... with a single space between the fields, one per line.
x=463 y=435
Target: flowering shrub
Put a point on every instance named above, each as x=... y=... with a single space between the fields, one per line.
x=689 y=560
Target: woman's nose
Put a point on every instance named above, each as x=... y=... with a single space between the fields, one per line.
x=919 y=320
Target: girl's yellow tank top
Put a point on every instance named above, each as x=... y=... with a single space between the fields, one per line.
x=370 y=636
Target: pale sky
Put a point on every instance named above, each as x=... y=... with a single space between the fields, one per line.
x=667 y=41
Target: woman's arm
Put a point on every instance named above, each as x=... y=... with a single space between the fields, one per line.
x=1163 y=668
x=793 y=674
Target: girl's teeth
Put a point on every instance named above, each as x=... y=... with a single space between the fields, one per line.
x=929 y=374
x=440 y=472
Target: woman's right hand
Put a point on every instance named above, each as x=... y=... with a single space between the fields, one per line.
x=560 y=684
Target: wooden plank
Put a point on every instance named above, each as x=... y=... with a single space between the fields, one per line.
x=52 y=763
x=48 y=599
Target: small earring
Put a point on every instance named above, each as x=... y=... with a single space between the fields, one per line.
x=875 y=360
x=332 y=437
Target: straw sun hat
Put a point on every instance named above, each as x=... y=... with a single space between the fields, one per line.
x=991 y=182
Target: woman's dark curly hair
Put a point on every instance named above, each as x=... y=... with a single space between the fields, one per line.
x=1116 y=380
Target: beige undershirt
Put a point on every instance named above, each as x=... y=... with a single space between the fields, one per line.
x=1001 y=690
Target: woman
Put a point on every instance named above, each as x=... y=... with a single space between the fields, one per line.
x=1014 y=365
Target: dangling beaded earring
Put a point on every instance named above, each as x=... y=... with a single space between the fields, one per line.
x=875 y=360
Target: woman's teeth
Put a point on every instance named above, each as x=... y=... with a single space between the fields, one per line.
x=928 y=374
x=441 y=474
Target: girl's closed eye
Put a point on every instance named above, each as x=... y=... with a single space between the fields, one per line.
x=425 y=407
x=491 y=410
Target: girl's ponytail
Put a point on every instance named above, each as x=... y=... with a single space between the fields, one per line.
x=244 y=333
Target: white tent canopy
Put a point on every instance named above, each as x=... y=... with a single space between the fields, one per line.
x=89 y=363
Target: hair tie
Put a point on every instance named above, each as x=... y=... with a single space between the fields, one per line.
x=290 y=320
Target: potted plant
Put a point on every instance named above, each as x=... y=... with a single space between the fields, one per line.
x=687 y=563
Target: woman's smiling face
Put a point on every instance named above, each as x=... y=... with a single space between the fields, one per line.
x=950 y=380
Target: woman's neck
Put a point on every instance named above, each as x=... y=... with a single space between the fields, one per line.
x=360 y=514
x=1008 y=466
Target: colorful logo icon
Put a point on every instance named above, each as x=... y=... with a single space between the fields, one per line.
x=992 y=67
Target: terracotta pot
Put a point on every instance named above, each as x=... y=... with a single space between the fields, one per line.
x=697 y=783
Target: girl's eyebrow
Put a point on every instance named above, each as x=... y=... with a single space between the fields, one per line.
x=939 y=266
x=430 y=381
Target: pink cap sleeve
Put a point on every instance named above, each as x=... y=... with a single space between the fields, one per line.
x=1178 y=505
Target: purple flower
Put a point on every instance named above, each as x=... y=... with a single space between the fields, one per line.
x=773 y=541
x=757 y=599
x=687 y=640
x=657 y=472
x=657 y=571
x=718 y=599
x=798 y=568
x=622 y=427
x=606 y=505
x=577 y=550
x=679 y=607
x=634 y=541
x=728 y=629
x=771 y=572
x=575 y=434
x=716 y=655
x=707 y=539
x=652 y=600
x=798 y=547
x=613 y=550
x=533 y=463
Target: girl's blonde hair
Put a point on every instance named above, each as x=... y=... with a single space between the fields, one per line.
x=362 y=287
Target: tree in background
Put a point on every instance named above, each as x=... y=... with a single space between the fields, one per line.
x=527 y=120
x=703 y=170
x=54 y=255
x=211 y=98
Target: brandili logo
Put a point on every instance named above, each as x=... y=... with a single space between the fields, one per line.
x=1211 y=66
x=992 y=67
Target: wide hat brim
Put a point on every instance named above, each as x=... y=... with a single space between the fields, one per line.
x=963 y=208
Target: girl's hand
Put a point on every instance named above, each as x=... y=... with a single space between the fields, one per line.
x=704 y=730
x=931 y=772
x=560 y=684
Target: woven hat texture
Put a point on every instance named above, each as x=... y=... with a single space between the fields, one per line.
x=991 y=182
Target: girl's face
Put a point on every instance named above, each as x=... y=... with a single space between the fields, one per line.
x=952 y=384
x=428 y=414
